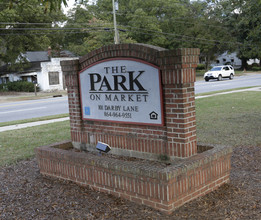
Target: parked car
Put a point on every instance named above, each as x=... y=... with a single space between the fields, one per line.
x=219 y=72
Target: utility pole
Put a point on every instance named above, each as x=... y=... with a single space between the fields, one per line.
x=116 y=34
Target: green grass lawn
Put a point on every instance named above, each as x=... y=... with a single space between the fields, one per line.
x=19 y=144
x=231 y=119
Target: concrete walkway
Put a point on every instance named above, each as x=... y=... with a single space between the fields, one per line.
x=31 y=124
x=234 y=91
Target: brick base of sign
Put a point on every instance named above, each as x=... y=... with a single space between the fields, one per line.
x=156 y=184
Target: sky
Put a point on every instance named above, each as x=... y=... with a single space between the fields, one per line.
x=70 y=6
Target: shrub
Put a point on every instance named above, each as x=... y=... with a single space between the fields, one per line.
x=256 y=68
x=20 y=86
x=254 y=65
x=200 y=67
x=3 y=88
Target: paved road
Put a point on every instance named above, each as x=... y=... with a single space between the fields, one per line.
x=12 y=111
x=44 y=107
x=237 y=82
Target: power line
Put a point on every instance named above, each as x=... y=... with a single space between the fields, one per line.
x=126 y=26
x=180 y=35
x=53 y=29
x=158 y=8
x=175 y=20
x=168 y=36
x=123 y=13
x=50 y=23
x=129 y=28
x=83 y=28
x=39 y=33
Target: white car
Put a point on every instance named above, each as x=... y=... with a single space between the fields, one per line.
x=219 y=72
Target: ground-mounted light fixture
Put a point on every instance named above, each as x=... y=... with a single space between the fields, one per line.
x=102 y=147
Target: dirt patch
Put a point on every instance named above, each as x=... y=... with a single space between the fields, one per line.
x=26 y=194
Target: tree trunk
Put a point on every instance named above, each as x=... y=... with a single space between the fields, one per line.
x=244 y=63
x=207 y=61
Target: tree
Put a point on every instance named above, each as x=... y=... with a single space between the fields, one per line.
x=91 y=30
x=51 y=5
x=87 y=32
x=24 y=27
x=166 y=23
x=205 y=29
x=243 y=19
x=248 y=29
x=144 y=21
x=214 y=26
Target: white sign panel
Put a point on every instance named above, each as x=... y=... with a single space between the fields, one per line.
x=122 y=90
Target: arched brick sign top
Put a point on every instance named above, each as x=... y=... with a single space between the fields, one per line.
x=122 y=71
x=137 y=51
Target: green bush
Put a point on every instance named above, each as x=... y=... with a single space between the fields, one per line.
x=18 y=86
x=256 y=68
x=254 y=65
x=3 y=88
x=200 y=67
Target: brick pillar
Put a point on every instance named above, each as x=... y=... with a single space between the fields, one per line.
x=70 y=69
x=178 y=77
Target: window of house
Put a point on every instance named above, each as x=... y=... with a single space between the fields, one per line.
x=217 y=61
x=232 y=60
x=53 y=78
x=6 y=79
x=224 y=60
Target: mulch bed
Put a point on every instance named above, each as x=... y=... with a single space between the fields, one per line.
x=26 y=194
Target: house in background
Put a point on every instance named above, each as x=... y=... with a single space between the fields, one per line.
x=231 y=59
x=228 y=58
x=42 y=69
x=30 y=70
x=51 y=76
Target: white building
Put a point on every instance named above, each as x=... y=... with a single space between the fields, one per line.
x=43 y=70
x=232 y=59
x=51 y=76
x=228 y=58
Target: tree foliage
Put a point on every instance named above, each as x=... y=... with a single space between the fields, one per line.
x=165 y=23
x=214 y=26
x=243 y=19
x=207 y=31
x=90 y=32
x=22 y=29
x=48 y=4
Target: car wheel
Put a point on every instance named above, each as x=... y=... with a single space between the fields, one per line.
x=219 y=77
x=206 y=79
x=231 y=76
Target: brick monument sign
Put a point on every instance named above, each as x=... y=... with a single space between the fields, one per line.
x=139 y=100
